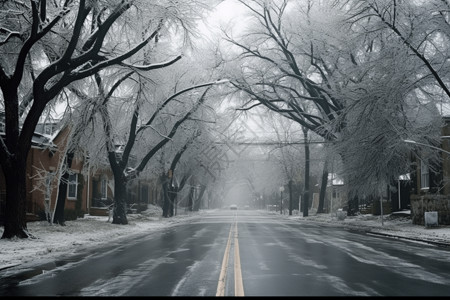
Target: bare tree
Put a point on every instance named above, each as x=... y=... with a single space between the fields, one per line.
x=290 y=156
x=171 y=186
x=29 y=83
x=291 y=55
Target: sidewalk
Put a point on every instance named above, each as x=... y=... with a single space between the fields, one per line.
x=395 y=225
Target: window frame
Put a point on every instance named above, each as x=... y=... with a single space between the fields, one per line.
x=424 y=176
x=104 y=188
x=72 y=186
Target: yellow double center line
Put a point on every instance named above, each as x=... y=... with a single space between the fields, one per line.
x=238 y=284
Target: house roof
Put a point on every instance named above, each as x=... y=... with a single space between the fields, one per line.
x=335 y=179
x=42 y=140
x=38 y=140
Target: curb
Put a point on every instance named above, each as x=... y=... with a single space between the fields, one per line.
x=436 y=243
x=370 y=230
x=7 y=267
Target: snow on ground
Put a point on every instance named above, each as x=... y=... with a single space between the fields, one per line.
x=53 y=241
x=395 y=224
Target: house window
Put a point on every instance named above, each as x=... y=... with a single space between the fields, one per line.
x=72 y=186
x=424 y=176
x=104 y=188
x=48 y=129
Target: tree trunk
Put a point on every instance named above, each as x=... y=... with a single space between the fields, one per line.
x=307 y=164
x=13 y=163
x=120 y=194
x=352 y=205
x=198 y=200
x=352 y=197
x=15 y=224
x=291 y=202
x=172 y=193
x=58 y=218
x=191 y=198
x=120 y=184
x=165 y=196
x=176 y=205
x=323 y=188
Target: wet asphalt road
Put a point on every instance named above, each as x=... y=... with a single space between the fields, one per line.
x=228 y=253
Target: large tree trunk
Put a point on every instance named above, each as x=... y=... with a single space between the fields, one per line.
x=323 y=188
x=58 y=218
x=120 y=179
x=15 y=224
x=120 y=195
x=120 y=192
x=13 y=161
x=307 y=165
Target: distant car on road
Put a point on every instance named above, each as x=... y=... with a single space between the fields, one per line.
x=233 y=207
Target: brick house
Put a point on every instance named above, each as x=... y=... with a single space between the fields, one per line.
x=431 y=186
x=43 y=170
x=90 y=191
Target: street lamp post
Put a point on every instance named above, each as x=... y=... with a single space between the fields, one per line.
x=281 y=199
